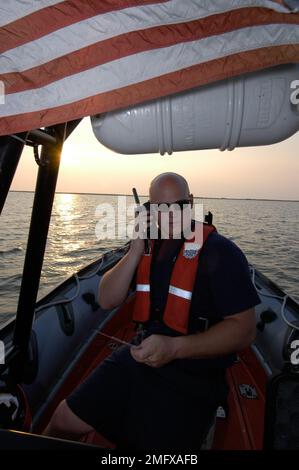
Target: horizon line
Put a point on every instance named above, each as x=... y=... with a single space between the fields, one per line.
x=143 y=195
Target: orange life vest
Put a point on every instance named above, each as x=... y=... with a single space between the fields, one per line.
x=176 y=312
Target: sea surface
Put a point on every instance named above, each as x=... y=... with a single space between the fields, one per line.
x=267 y=232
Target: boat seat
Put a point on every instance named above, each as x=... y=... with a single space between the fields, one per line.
x=281 y=431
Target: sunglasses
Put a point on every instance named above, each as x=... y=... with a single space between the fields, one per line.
x=165 y=206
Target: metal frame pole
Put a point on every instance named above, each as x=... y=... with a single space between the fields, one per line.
x=40 y=220
x=10 y=152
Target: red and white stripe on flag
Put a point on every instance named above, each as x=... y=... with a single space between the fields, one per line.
x=63 y=60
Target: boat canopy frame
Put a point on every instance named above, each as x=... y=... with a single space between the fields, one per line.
x=11 y=147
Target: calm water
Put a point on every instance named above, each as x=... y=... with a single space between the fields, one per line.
x=266 y=231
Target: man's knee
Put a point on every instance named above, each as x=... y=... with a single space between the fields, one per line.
x=65 y=423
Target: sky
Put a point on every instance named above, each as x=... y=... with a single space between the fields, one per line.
x=266 y=172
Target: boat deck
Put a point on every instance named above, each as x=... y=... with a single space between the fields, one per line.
x=240 y=429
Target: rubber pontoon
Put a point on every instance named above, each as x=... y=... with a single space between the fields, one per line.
x=67 y=343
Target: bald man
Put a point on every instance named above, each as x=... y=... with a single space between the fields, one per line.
x=161 y=395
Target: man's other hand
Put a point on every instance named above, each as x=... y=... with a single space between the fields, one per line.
x=155 y=351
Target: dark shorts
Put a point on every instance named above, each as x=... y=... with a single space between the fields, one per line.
x=143 y=408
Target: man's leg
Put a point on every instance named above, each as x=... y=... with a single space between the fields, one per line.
x=98 y=403
x=65 y=424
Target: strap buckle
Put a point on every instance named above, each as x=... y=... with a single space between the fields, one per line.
x=202 y=324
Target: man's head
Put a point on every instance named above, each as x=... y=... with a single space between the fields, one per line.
x=171 y=188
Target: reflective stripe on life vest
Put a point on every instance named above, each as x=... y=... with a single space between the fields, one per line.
x=143 y=287
x=176 y=312
x=185 y=294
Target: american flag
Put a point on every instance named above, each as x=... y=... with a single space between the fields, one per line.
x=63 y=60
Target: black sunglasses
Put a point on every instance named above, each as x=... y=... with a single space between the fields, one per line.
x=165 y=206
